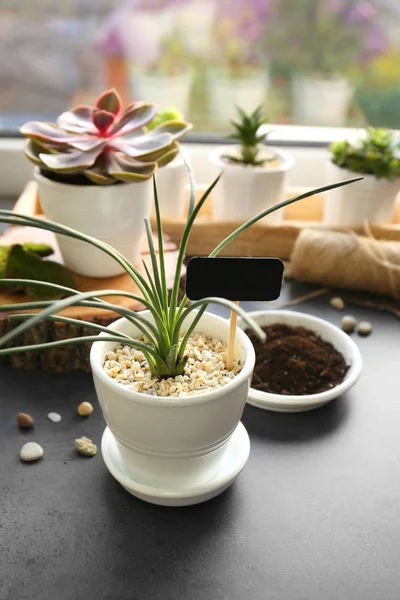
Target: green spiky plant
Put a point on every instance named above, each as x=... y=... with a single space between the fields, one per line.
x=164 y=347
x=103 y=144
x=375 y=154
x=247 y=133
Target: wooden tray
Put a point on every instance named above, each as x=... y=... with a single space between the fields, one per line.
x=259 y=240
x=262 y=239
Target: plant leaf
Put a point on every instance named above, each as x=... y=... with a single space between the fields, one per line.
x=102 y=120
x=32 y=151
x=109 y=101
x=176 y=128
x=77 y=120
x=272 y=209
x=47 y=132
x=136 y=115
x=85 y=144
x=98 y=177
x=168 y=157
x=70 y=162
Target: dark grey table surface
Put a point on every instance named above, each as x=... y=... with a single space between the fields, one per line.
x=315 y=515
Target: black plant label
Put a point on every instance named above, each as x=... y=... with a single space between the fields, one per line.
x=234 y=278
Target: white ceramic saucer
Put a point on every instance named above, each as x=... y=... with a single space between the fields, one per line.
x=232 y=463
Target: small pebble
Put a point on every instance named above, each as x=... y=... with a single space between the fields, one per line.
x=364 y=328
x=55 y=417
x=85 y=409
x=24 y=420
x=337 y=303
x=349 y=324
x=30 y=452
x=85 y=446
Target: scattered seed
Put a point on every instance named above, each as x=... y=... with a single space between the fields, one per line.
x=364 y=328
x=85 y=446
x=349 y=323
x=54 y=417
x=337 y=303
x=85 y=409
x=24 y=420
x=30 y=452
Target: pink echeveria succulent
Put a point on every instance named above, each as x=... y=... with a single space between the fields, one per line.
x=104 y=143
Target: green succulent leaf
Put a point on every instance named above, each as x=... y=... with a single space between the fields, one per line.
x=375 y=154
x=33 y=151
x=169 y=156
x=176 y=128
x=109 y=101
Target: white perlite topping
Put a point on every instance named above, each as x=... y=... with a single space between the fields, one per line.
x=205 y=369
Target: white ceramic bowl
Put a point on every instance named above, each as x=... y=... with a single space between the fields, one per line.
x=329 y=333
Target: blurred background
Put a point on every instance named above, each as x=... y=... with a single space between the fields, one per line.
x=329 y=63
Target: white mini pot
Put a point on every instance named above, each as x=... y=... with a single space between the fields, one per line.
x=370 y=199
x=329 y=333
x=323 y=102
x=245 y=191
x=111 y=213
x=225 y=93
x=166 y=442
x=171 y=182
x=163 y=90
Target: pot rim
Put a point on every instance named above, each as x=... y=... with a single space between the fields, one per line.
x=288 y=161
x=58 y=184
x=332 y=332
x=97 y=357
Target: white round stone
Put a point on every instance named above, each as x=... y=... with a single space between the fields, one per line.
x=30 y=452
x=55 y=417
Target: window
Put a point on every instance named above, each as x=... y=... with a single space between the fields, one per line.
x=310 y=62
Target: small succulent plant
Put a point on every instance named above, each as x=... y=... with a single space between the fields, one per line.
x=375 y=154
x=170 y=113
x=247 y=133
x=103 y=143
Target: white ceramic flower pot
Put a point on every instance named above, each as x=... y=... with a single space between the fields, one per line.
x=225 y=93
x=323 y=102
x=171 y=182
x=370 y=199
x=166 y=442
x=245 y=191
x=114 y=214
x=329 y=333
x=163 y=90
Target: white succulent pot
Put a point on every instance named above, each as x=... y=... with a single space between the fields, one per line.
x=112 y=213
x=245 y=191
x=163 y=90
x=370 y=199
x=171 y=187
x=166 y=442
x=225 y=93
x=323 y=102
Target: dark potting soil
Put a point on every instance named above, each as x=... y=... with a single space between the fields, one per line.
x=295 y=361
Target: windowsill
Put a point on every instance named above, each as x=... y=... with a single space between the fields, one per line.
x=308 y=145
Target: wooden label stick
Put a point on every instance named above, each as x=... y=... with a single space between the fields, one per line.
x=232 y=338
